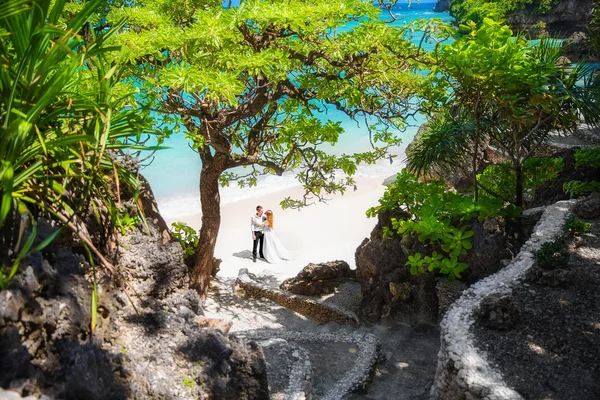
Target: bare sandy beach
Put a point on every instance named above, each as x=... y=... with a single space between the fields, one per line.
x=317 y=233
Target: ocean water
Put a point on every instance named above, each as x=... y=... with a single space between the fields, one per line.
x=175 y=172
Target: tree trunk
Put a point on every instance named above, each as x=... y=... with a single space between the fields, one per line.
x=519 y=188
x=210 y=200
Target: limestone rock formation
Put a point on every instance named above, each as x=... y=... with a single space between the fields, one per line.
x=442 y=6
x=565 y=18
x=588 y=208
x=146 y=344
x=318 y=279
x=389 y=289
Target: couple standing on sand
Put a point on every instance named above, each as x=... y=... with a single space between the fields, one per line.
x=271 y=248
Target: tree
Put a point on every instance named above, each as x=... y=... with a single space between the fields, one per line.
x=245 y=84
x=512 y=94
x=62 y=111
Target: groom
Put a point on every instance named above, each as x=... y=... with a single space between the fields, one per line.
x=256 y=226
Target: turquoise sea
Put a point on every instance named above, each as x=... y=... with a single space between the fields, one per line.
x=174 y=173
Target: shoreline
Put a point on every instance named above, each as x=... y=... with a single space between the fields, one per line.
x=321 y=232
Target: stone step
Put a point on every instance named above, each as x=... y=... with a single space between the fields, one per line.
x=342 y=362
x=288 y=370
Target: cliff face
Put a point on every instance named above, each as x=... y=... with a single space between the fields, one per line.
x=567 y=17
x=442 y=6
x=563 y=19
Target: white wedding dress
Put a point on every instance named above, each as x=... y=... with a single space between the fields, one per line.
x=273 y=250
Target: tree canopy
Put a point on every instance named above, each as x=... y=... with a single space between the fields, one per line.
x=245 y=84
x=505 y=91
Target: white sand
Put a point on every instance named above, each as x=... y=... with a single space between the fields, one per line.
x=318 y=233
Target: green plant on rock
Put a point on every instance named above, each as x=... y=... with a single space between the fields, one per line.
x=64 y=118
x=189 y=381
x=123 y=221
x=186 y=236
x=575 y=227
x=586 y=158
x=437 y=217
x=552 y=255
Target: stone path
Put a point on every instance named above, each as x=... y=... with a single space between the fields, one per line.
x=311 y=360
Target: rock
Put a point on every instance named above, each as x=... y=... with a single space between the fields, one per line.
x=588 y=134
x=221 y=325
x=588 y=208
x=442 y=5
x=145 y=324
x=565 y=18
x=318 y=279
x=447 y=293
x=401 y=291
x=498 y=311
x=11 y=302
x=237 y=367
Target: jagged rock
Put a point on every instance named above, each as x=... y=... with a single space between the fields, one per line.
x=498 y=311
x=221 y=325
x=145 y=342
x=401 y=291
x=565 y=17
x=237 y=367
x=442 y=5
x=11 y=302
x=588 y=208
x=318 y=279
x=447 y=293
x=380 y=269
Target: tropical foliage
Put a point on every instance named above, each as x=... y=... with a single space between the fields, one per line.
x=585 y=159
x=244 y=84
x=437 y=217
x=63 y=118
x=478 y=10
x=499 y=180
x=495 y=91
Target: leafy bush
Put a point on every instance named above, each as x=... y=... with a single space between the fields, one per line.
x=586 y=158
x=187 y=237
x=574 y=226
x=64 y=116
x=501 y=179
x=438 y=217
x=477 y=10
x=552 y=255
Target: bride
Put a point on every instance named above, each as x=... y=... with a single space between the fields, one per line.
x=274 y=251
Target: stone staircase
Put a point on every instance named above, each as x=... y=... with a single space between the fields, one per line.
x=314 y=365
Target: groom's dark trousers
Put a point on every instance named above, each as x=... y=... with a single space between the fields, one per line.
x=258 y=237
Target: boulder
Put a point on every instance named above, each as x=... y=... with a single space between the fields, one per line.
x=318 y=279
x=588 y=208
x=388 y=288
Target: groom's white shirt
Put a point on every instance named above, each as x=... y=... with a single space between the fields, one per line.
x=255 y=221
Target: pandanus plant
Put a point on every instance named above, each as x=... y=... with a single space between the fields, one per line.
x=65 y=113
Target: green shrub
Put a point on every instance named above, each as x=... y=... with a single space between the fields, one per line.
x=578 y=188
x=501 y=179
x=438 y=217
x=187 y=237
x=586 y=158
x=575 y=227
x=552 y=255
x=477 y=10
x=65 y=115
